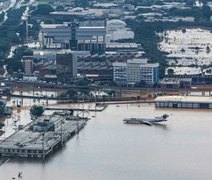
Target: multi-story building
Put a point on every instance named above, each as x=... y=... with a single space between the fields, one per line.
x=120 y=73
x=28 y=65
x=133 y=70
x=66 y=65
x=73 y=36
x=124 y=48
x=136 y=71
x=149 y=73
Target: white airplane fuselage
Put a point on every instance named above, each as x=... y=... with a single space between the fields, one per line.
x=147 y=121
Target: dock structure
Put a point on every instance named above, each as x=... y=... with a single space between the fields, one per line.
x=78 y=109
x=42 y=136
x=194 y=102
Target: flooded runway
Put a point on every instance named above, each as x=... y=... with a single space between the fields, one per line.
x=108 y=149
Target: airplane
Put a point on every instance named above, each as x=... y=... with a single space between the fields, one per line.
x=147 y=121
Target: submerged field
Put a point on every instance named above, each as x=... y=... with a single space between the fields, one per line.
x=189 y=50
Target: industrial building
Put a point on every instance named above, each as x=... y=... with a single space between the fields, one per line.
x=73 y=36
x=66 y=65
x=75 y=12
x=28 y=65
x=195 y=79
x=174 y=83
x=195 y=102
x=135 y=71
x=124 y=48
x=42 y=136
x=117 y=30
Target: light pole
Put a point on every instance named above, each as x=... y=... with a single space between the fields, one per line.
x=61 y=130
x=77 y=126
x=43 y=146
x=83 y=108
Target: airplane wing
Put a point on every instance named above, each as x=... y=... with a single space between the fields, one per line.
x=147 y=123
x=136 y=121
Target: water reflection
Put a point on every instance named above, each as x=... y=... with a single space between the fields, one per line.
x=161 y=126
x=154 y=125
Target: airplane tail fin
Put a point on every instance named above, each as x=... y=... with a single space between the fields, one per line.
x=165 y=116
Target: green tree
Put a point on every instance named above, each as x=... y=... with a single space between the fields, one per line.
x=81 y=3
x=43 y=9
x=82 y=82
x=72 y=94
x=206 y=12
x=37 y=110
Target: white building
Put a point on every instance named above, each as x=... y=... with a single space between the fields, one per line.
x=149 y=73
x=116 y=30
x=120 y=73
x=135 y=71
x=30 y=78
x=73 y=36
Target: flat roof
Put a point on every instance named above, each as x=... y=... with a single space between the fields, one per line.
x=119 y=64
x=65 y=24
x=122 y=45
x=28 y=139
x=150 y=65
x=51 y=25
x=189 y=99
x=137 y=61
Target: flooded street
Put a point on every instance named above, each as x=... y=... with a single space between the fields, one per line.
x=108 y=149
x=21 y=115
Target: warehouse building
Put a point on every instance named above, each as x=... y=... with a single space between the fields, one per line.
x=73 y=36
x=195 y=102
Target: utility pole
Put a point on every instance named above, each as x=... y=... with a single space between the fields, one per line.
x=27 y=32
x=43 y=146
x=95 y=101
x=83 y=108
x=61 y=131
x=77 y=126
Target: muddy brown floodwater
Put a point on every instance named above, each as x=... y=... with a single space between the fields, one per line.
x=108 y=149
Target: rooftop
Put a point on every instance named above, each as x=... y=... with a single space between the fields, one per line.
x=119 y=64
x=28 y=139
x=122 y=45
x=137 y=61
x=189 y=99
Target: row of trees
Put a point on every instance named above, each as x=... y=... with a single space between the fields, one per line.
x=199 y=13
x=14 y=64
x=10 y=33
x=159 y=2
